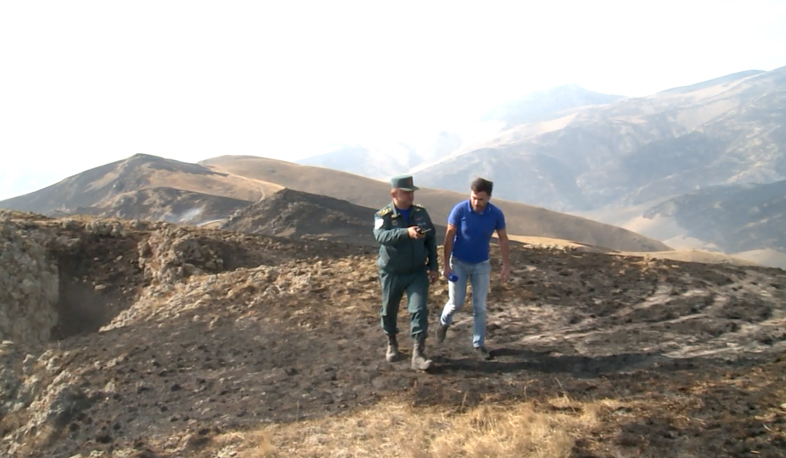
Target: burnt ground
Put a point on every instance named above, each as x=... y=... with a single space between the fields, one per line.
x=288 y=330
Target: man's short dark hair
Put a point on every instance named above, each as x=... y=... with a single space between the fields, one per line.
x=482 y=185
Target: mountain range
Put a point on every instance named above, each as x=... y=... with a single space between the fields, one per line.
x=616 y=159
x=700 y=166
x=227 y=184
x=635 y=150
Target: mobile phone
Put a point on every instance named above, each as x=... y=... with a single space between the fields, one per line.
x=422 y=230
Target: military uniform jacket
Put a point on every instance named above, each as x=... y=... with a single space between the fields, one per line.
x=398 y=253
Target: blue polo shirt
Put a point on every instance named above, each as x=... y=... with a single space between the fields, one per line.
x=474 y=230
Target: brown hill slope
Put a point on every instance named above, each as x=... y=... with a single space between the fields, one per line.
x=297 y=214
x=99 y=186
x=251 y=178
x=164 y=204
x=521 y=219
x=216 y=343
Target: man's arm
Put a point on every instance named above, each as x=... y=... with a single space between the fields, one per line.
x=388 y=236
x=503 y=248
x=450 y=234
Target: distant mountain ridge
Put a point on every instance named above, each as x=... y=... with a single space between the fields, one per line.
x=149 y=187
x=521 y=219
x=636 y=150
x=547 y=104
x=736 y=218
x=362 y=160
x=378 y=161
x=572 y=150
x=724 y=134
x=98 y=186
x=146 y=187
x=677 y=157
x=713 y=82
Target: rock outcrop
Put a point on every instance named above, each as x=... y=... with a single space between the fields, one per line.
x=28 y=288
x=171 y=254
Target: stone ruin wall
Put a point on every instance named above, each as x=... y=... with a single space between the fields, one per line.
x=28 y=288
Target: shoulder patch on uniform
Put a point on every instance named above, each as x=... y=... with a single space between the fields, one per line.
x=418 y=206
x=384 y=211
x=378 y=223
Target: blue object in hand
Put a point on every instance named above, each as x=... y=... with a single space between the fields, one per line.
x=452 y=277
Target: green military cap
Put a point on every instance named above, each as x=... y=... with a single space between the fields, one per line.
x=403 y=182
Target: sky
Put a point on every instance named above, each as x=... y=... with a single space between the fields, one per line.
x=85 y=83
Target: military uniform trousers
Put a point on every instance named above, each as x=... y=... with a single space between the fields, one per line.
x=415 y=285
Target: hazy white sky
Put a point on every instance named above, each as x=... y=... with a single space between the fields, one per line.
x=84 y=83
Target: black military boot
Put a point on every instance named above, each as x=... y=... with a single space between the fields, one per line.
x=419 y=360
x=392 y=353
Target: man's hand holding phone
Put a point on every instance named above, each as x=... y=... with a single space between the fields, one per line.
x=417 y=232
x=414 y=233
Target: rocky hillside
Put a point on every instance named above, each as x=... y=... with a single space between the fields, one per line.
x=162 y=204
x=725 y=131
x=735 y=218
x=177 y=341
x=28 y=289
x=300 y=215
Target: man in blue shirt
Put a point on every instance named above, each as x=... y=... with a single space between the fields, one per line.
x=470 y=226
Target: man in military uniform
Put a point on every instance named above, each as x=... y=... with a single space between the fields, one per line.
x=407 y=263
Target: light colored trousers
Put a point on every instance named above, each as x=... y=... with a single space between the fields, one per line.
x=478 y=276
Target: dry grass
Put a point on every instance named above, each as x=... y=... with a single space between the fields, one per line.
x=398 y=430
x=232 y=186
x=555 y=243
x=703 y=257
